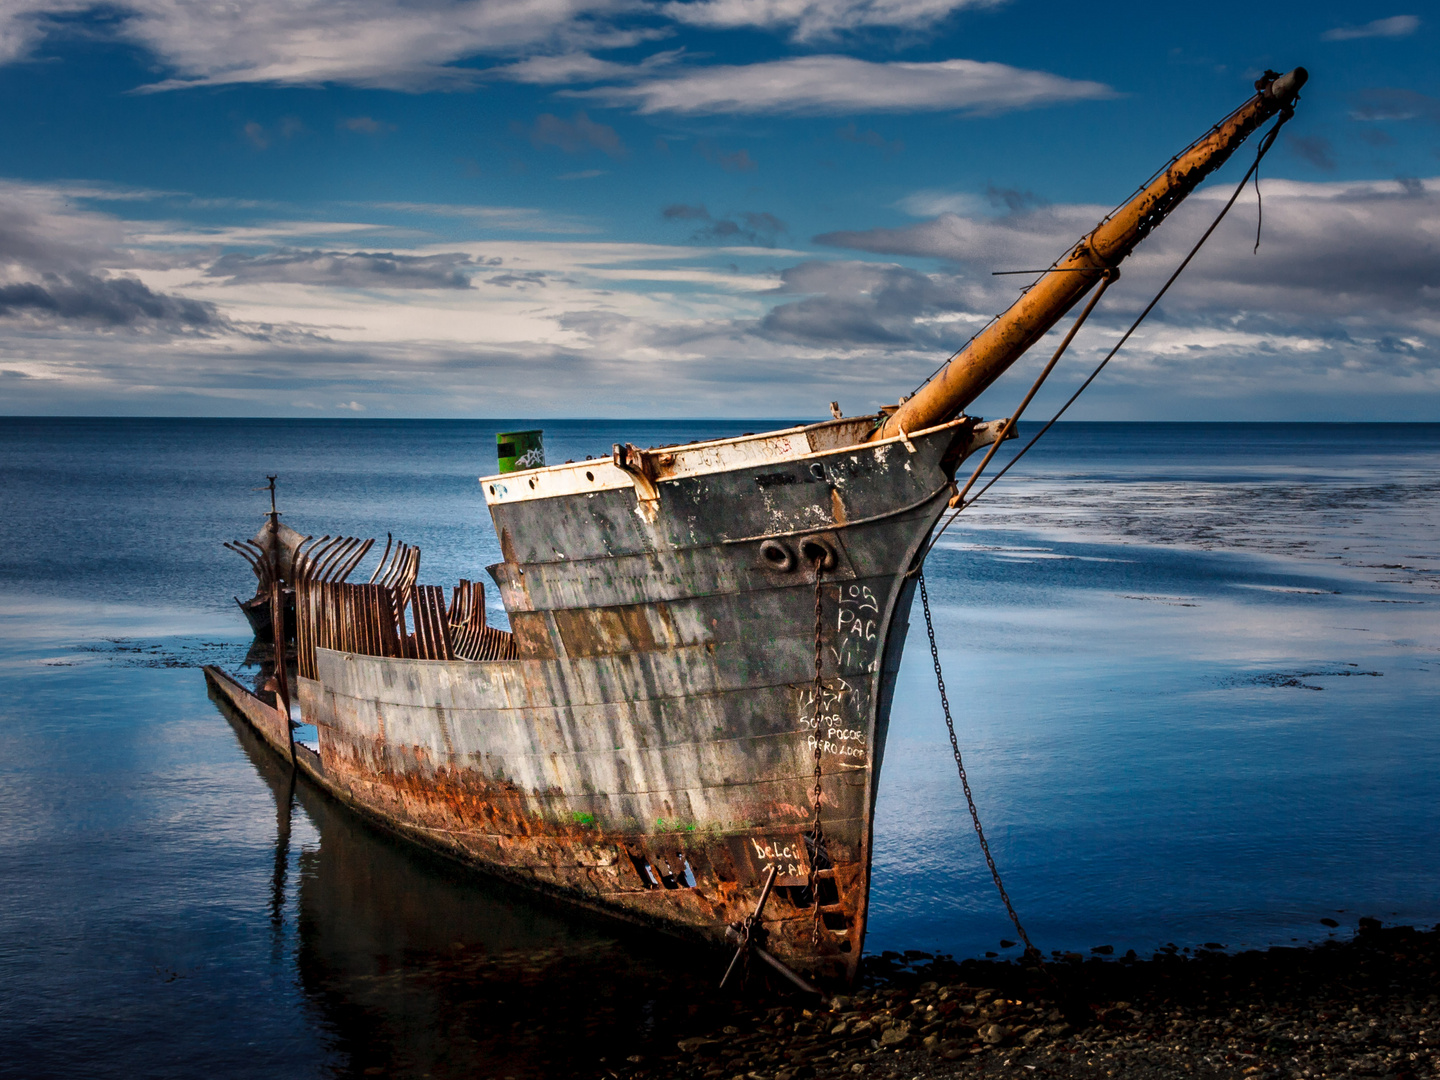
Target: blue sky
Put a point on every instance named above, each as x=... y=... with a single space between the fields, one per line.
x=693 y=207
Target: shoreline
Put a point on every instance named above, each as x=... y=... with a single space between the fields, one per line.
x=1369 y=1006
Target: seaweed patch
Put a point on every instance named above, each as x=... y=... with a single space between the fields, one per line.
x=1295 y=679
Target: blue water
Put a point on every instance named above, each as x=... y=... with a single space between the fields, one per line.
x=1193 y=667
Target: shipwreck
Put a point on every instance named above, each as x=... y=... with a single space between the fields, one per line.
x=685 y=721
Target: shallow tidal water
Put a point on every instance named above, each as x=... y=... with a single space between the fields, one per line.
x=1193 y=668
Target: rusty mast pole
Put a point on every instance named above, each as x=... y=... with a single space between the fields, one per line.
x=277 y=623
x=1005 y=340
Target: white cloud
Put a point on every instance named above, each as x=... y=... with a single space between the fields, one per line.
x=22 y=25
x=366 y=125
x=574 y=67
x=843 y=84
x=516 y=218
x=1394 y=26
x=813 y=19
x=578 y=68
x=45 y=230
x=373 y=43
x=931 y=203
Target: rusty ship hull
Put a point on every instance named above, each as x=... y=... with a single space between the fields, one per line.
x=649 y=747
x=692 y=630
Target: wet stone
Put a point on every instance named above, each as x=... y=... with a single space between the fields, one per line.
x=895 y=1034
x=1361 y=1007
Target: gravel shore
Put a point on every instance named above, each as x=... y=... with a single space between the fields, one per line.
x=1368 y=1006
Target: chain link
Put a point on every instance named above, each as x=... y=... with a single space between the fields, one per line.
x=1030 y=949
x=817 y=835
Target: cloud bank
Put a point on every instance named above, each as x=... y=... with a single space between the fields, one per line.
x=1393 y=27
x=56 y=267
x=1341 y=306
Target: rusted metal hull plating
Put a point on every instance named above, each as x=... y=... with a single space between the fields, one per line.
x=649 y=743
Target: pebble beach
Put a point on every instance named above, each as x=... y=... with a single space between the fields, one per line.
x=1366 y=1006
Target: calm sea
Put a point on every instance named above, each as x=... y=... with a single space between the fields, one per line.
x=1195 y=671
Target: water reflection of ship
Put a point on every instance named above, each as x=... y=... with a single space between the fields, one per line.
x=693 y=699
x=417 y=966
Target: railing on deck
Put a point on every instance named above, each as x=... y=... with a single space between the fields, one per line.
x=392 y=615
x=470 y=637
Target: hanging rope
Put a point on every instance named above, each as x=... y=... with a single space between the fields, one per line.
x=1259 y=206
x=1264 y=148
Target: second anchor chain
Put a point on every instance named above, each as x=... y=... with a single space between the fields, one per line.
x=817 y=835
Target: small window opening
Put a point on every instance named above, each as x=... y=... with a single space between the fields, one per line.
x=835 y=920
x=647 y=873
x=798 y=895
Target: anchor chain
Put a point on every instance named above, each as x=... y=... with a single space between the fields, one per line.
x=1030 y=949
x=817 y=835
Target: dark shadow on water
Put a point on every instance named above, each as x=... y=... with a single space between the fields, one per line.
x=418 y=966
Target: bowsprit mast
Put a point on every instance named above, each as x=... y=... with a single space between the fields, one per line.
x=686 y=720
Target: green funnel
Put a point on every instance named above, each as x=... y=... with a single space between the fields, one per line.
x=520 y=450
